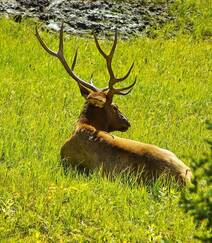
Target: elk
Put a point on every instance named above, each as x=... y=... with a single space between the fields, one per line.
x=93 y=146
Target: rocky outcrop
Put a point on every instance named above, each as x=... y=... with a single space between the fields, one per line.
x=82 y=16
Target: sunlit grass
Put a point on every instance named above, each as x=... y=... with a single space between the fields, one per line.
x=39 y=105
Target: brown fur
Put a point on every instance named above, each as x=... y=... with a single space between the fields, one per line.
x=93 y=147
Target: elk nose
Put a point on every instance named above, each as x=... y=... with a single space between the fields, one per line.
x=127 y=124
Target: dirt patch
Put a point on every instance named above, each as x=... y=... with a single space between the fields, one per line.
x=80 y=17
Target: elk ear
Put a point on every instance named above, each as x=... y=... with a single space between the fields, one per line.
x=84 y=92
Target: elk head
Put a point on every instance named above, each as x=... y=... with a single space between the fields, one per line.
x=99 y=111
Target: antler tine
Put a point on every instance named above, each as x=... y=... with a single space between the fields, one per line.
x=74 y=61
x=43 y=44
x=120 y=90
x=109 y=57
x=127 y=74
x=99 y=47
x=114 y=44
x=126 y=88
x=60 y=51
x=60 y=55
x=124 y=93
x=91 y=79
x=113 y=80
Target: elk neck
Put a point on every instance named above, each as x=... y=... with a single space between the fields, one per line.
x=93 y=116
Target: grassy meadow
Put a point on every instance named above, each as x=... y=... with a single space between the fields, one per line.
x=39 y=105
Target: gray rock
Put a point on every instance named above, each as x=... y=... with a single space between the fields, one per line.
x=82 y=16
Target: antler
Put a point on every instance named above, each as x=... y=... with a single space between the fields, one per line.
x=113 y=80
x=83 y=84
x=60 y=55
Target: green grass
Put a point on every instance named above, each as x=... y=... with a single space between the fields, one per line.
x=39 y=105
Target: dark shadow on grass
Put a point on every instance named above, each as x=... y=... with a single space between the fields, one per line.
x=157 y=187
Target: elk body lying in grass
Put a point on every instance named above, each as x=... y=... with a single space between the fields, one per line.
x=92 y=145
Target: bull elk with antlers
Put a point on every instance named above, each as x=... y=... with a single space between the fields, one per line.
x=91 y=144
